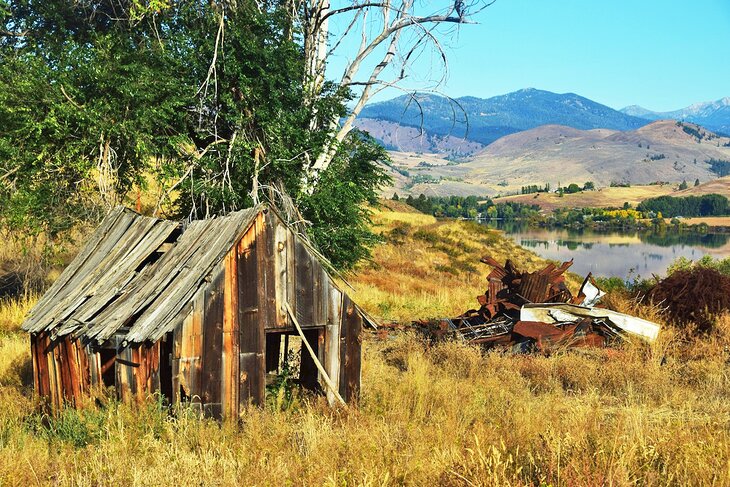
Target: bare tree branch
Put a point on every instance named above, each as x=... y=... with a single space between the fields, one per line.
x=395 y=19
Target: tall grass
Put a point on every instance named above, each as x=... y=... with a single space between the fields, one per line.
x=14 y=310
x=448 y=414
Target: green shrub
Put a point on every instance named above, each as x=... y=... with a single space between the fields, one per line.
x=427 y=236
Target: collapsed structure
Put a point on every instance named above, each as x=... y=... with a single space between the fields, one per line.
x=530 y=310
x=198 y=313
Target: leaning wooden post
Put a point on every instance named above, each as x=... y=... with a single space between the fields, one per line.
x=326 y=377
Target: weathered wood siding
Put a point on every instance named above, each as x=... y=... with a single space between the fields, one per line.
x=291 y=273
x=60 y=370
x=187 y=353
x=251 y=301
x=350 y=351
x=216 y=356
x=137 y=369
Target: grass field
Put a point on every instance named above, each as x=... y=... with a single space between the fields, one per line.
x=615 y=197
x=712 y=221
x=601 y=198
x=441 y=415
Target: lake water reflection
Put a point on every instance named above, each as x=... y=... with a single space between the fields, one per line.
x=618 y=253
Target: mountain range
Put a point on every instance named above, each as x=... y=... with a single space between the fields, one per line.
x=438 y=123
x=463 y=126
x=714 y=115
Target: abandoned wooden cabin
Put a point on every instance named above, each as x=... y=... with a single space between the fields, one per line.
x=198 y=312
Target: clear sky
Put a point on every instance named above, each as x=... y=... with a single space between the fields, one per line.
x=660 y=54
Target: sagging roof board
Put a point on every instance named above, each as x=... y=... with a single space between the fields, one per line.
x=133 y=269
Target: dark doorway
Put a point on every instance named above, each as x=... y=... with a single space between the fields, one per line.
x=166 y=367
x=108 y=358
x=308 y=372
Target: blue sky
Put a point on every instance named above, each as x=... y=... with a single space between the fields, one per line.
x=662 y=55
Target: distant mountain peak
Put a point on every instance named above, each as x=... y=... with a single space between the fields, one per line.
x=714 y=115
x=491 y=118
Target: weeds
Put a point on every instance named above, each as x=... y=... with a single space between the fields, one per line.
x=447 y=414
x=282 y=394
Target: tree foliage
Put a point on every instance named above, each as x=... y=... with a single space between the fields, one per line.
x=471 y=207
x=205 y=98
x=670 y=206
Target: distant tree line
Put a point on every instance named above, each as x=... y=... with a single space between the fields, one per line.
x=469 y=207
x=719 y=166
x=670 y=206
x=534 y=188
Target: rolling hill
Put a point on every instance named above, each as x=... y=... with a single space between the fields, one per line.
x=617 y=196
x=662 y=151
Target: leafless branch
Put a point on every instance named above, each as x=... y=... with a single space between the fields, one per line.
x=71 y=100
x=395 y=20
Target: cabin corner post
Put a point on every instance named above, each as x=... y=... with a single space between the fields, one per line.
x=350 y=351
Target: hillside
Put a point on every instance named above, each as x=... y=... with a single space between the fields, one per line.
x=485 y=120
x=715 y=115
x=616 y=197
x=660 y=151
x=715 y=186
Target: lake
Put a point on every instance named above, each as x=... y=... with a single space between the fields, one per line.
x=621 y=253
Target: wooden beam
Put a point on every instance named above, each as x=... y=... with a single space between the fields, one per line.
x=325 y=377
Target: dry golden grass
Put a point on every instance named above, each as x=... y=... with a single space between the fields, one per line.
x=443 y=415
x=13 y=311
x=602 y=198
x=446 y=415
x=430 y=268
x=712 y=221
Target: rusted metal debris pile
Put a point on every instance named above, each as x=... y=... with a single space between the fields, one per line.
x=535 y=310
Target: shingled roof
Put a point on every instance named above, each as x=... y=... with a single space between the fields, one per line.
x=135 y=276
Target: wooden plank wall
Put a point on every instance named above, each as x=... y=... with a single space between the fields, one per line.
x=350 y=351
x=298 y=279
x=213 y=344
x=187 y=354
x=65 y=371
x=60 y=370
x=137 y=371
